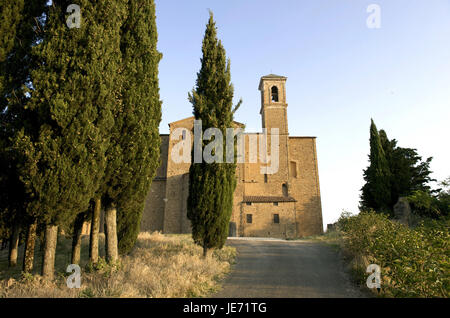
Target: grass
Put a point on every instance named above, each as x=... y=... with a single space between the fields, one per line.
x=160 y=266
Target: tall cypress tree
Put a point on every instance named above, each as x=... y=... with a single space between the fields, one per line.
x=63 y=159
x=133 y=156
x=211 y=185
x=376 y=192
x=20 y=29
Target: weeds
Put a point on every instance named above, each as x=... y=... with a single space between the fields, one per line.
x=414 y=262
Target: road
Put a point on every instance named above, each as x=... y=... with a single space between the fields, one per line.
x=292 y=269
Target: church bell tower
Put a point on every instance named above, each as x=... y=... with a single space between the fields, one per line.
x=273 y=103
x=274 y=115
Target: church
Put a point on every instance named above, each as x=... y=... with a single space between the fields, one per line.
x=284 y=204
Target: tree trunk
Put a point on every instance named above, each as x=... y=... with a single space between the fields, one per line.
x=206 y=251
x=95 y=228
x=48 y=261
x=14 y=246
x=112 y=253
x=76 y=239
x=28 y=255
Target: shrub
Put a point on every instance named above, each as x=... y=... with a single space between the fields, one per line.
x=414 y=262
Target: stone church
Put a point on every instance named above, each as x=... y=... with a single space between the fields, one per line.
x=285 y=204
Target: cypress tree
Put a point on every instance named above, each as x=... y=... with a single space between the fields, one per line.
x=211 y=186
x=72 y=101
x=20 y=29
x=133 y=156
x=376 y=192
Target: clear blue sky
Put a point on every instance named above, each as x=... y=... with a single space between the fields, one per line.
x=340 y=74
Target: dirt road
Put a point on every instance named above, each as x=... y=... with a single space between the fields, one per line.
x=292 y=269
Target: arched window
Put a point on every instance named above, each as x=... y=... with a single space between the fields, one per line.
x=274 y=94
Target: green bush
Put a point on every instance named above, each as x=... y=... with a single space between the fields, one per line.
x=414 y=262
x=427 y=205
x=433 y=204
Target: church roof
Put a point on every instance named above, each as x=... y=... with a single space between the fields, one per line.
x=270 y=76
x=273 y=76
x=266 y=199
x=193 y=117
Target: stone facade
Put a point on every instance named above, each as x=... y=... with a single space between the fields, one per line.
x=285 y=204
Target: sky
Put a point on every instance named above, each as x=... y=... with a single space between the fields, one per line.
x=341 y=73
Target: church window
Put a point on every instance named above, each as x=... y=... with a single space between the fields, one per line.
x=274 y=94
x=275 y=203
x=285 y=190
x=248 y=203
x=184 y=134
x=249 y=218
x=293 y=169
x=276 y=218
x=265 y=178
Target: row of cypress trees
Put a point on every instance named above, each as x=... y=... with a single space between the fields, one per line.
x=80 y=112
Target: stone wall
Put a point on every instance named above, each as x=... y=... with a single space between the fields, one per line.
x=305 y=186
x=263 y=224
x=153 y=216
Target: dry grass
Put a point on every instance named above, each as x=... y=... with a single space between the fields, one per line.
x=162 y=266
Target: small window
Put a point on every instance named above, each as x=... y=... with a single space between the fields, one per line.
x=249 y=218
x=265 y=178
x=274 y=94
x=284 y=189
x=294 y=169
x=275 y=203
x=184 y=134
x=248 y=203
x=276 y=218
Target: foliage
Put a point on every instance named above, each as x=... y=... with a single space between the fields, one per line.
x=375 y=193
x=128 y=224
x=414 y=262
x=80 y=112
x=393 y=172
x=20 y=30
x=427 y=204
x=211 y=185
x=133 y=156
x=62 y=151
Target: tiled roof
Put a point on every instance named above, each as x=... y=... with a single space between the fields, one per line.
x=264 y=199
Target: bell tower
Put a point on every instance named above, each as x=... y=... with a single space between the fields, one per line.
x=274 y=115
x=273 y=103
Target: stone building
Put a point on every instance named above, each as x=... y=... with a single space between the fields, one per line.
x=284 y=204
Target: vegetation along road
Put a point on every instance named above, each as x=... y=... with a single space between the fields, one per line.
x=292 y=269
